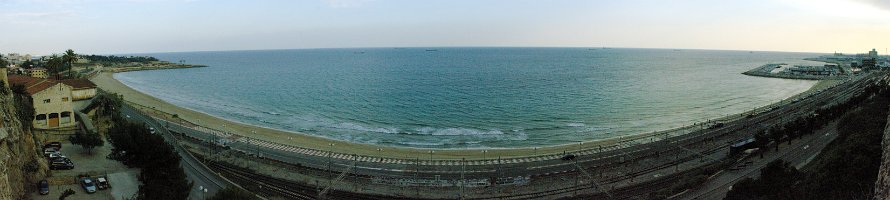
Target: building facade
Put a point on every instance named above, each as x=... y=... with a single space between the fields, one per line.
x=81 y=89
x=51 y=99
x=37 y=72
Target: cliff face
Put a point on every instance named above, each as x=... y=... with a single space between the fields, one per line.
x=882 y=187
x=21 y=164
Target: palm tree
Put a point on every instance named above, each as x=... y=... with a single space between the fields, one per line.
x=69 y=57
x=54 y=64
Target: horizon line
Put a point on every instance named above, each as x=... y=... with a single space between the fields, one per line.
x=393 y=47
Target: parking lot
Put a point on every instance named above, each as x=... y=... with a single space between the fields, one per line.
x=123 y=180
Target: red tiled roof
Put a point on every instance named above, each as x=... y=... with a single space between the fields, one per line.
x=79 y=83
x=32 y=85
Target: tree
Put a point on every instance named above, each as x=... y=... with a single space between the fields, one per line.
x=3 y=62
x=777 y=181
x=233 y=193
x=27 y=64
x=55 y=64
x=87 y=140
x=69 y=57
x=162 y=177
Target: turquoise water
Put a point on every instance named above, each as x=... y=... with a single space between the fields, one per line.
x=469 y=97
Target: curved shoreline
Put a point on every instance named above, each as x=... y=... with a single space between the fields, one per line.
x=163 y=109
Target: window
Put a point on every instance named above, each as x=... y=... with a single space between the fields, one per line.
x=46 y=101
x=64 y=99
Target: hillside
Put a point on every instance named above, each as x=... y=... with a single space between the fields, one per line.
x=21 y=165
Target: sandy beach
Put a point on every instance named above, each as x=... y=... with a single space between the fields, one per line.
x=160 y=108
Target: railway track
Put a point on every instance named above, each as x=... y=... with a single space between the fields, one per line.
x=276 y=187
x=264 y=185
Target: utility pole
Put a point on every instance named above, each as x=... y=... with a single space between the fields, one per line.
x=416 y=170
x=575 y=191
x=463 y=180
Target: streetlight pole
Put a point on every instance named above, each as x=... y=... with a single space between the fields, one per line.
x=331 y=178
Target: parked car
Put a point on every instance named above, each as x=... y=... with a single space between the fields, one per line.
x=88 y=185
x=54 y=156
x=102 y=183
x=49 y=150
x=61 y=163
x=43 y=186
x=57 y=145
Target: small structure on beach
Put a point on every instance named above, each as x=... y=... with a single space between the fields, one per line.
x=52 y=99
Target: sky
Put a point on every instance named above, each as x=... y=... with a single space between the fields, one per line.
x=41 y=27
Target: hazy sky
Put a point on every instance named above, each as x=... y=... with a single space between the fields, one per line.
x=132 y=26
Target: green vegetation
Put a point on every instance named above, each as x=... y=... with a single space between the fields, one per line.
x=24 y=109
x=108 y=105
x=846 y=168
x=233 y=193
x=70 y=57
x=135 y=146
x=87 y=140
x=775 y=180
x=66 y=193
x=27 y=64
x=3 y=62
x=107 y=60
x=54 y=65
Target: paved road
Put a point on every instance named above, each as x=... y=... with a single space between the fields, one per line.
x=200 y=176
x=798 y=153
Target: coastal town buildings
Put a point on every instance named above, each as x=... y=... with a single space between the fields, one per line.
x=37 y=72
x=52 y=99
x=17 y=59
x=81 y=89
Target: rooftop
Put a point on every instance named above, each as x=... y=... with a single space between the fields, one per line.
x=35 y=85
x=32 y=85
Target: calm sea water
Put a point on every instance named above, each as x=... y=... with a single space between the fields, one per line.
x=469 y=97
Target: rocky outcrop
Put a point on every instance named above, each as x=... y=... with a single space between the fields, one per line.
x=882 y=186
x=21 y=165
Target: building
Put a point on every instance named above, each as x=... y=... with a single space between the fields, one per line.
x=81 y=88
x=52 y=99
x=16 y=58
x=873 y=53
x=37 y=72
x=826 y=70
x=869 y=63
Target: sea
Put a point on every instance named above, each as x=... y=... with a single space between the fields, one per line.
x=458 y=98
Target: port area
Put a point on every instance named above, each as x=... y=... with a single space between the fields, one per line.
x=829 y=71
